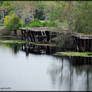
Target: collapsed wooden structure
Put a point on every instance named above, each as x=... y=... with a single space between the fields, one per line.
x=38 y=34
x=83 y=42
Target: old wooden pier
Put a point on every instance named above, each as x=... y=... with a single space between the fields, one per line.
x=38 y=34
x=83 y=42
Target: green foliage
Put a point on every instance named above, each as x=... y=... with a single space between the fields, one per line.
x=12 y=21
x=8 y=6
x=39 y=13
x=38 y=23
x=1 y=23
x=81 y=54
x=50 y=24
x=77 y=14
x=63 y=23
x=80 y=17
x=83 y=21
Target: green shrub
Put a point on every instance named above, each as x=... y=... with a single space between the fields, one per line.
x=1 y=23
x=12 y=21
x=51 y=24
x=38 y=23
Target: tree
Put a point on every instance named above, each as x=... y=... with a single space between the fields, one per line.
x=80 y=16
x=12 y=22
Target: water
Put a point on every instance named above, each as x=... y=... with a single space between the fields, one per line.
x=20 y=71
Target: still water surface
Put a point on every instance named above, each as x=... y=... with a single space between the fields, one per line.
x=34 y=72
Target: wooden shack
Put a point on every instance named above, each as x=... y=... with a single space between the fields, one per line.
x=83 y=42
x=38 y=34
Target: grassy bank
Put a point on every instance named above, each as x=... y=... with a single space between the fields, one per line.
x=23 y=42
x=82 y=54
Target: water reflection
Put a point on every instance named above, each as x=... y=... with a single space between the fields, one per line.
x=81 y=60
x=70 y=76
x=42 y=71
x=34 y=49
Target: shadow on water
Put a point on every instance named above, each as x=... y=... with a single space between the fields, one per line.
x=32 y=49
x=14 y=47
x=38 y=50
x=81 y=61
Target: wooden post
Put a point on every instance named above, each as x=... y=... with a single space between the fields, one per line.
x=31 y=36
x=48 y=36
x=91 y=44
x=21 y=35
x=84 y=45
x=77 y=44
x=15 y=31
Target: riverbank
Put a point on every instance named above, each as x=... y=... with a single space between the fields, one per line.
x=66 y=53
x=81 y=54
x=64 y=41
x=23 y=42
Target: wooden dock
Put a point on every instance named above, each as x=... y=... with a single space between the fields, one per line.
x=38 y=34
x=83 y=41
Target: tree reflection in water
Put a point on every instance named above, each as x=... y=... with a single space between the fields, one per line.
x=36 y=49
x=30 y=48
x=14 y=47
x=67 y=76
